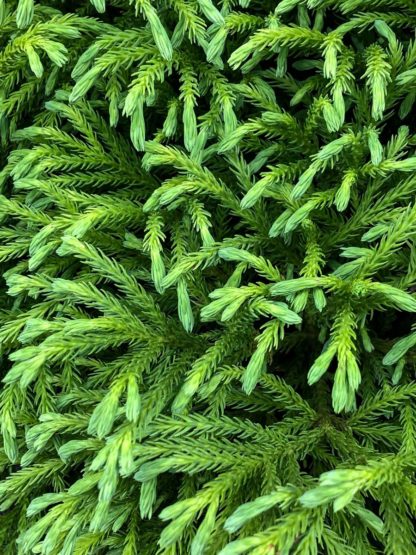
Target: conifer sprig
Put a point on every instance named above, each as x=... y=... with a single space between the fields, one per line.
x=207 y=240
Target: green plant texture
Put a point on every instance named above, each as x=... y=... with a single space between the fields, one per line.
x=208 y=260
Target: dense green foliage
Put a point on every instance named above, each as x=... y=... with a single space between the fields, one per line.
x=208 y=255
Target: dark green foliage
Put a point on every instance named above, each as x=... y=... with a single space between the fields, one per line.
x=208 y=249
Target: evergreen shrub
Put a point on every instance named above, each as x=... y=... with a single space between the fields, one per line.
x=208 y=257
